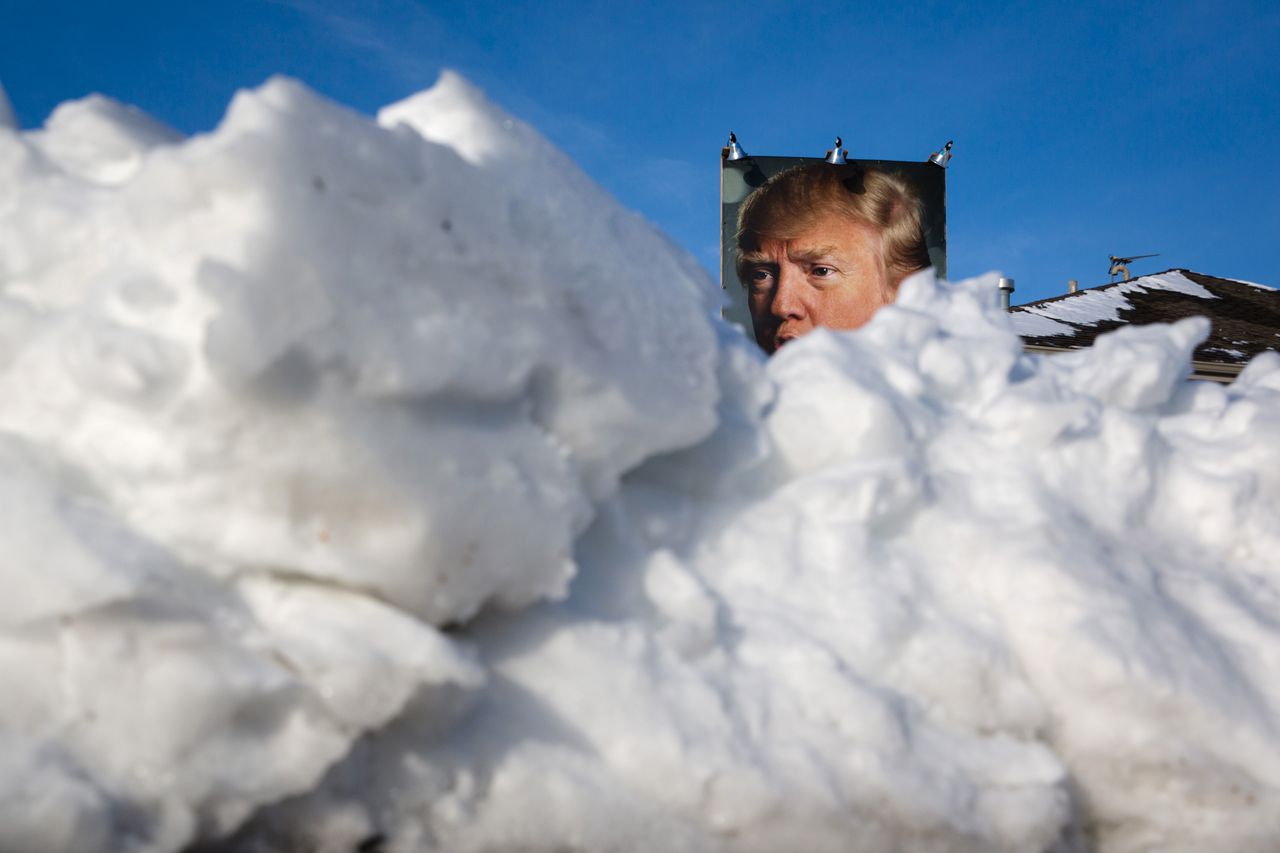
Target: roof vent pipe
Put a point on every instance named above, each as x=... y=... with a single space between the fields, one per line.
x=1006 y=290
x=1072 y=285
x=7 y=117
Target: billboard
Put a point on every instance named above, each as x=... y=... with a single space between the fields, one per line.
x=822 y=243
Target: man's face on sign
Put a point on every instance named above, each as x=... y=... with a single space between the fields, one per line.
x=830 y=275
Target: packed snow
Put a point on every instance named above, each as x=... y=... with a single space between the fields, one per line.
x=386 y=485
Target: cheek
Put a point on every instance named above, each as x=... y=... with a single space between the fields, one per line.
x=852 y=308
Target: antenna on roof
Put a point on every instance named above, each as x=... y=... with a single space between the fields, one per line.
x=1120 y=266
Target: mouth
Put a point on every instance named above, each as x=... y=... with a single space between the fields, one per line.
x=782 y=340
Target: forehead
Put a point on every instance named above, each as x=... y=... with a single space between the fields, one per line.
x=832 y=235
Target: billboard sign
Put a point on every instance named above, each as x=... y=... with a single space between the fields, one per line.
x=807 y=243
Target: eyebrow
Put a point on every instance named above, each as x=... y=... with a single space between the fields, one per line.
x=754 y=259
x=817 y=253
x=807 y=256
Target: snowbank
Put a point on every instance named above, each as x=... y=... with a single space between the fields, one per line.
x=387 y=484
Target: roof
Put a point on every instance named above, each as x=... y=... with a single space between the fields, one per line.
x=1245 y=317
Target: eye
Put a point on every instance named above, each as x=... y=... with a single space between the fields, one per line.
x=821 y=271
x=760 y=279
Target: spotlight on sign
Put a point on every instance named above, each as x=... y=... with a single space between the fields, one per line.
x=836 y=156
x=942 y=156
x=735 y=150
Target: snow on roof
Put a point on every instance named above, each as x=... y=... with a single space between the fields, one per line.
x=1096 y=305
x=1255 y=284
x=1037 y=324
x=1244 y=315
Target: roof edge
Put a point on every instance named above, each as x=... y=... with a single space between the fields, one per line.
x=1183 y=270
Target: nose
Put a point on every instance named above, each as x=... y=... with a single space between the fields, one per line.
x=787 y=302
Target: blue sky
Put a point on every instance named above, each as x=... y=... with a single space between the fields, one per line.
x=1082 y=129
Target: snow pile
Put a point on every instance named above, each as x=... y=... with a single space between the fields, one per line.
x=283 y=401
x=934 y=595
x=277 y=401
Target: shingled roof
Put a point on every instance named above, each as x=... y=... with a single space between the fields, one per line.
x=1245 y=317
